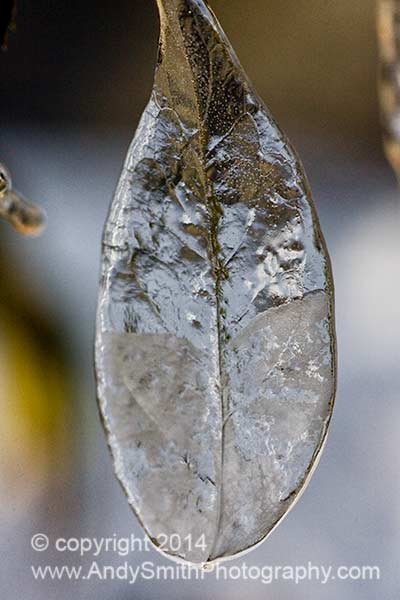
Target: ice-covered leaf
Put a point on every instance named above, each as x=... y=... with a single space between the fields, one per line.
x=215 y=348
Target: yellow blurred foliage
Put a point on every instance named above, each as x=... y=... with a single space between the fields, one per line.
x=33 y=415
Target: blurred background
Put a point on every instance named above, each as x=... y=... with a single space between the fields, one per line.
x=73 y=84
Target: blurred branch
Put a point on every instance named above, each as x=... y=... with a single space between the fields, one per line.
x=389 y=82
x=7 y=15
x=25 y=217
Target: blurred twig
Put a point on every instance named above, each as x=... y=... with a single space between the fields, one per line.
x=389 y=81
x=7 y=15
x=25 y=217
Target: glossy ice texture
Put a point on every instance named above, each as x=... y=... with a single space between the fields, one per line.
x=215 y=348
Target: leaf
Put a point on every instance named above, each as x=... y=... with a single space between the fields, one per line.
x=215 y=346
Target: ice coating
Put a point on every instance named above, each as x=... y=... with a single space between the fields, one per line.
x=215 y=347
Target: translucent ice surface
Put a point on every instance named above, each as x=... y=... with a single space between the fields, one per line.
x=215 y=348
